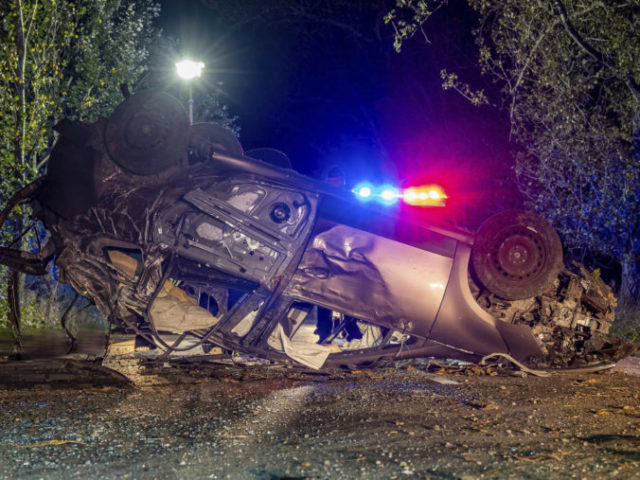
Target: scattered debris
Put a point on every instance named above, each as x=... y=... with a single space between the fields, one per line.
x=524 y=368
x=570 y=319
x=47 y=443
x=439 y=378
x=629 y=365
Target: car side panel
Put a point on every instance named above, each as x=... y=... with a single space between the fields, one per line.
x=371 y=277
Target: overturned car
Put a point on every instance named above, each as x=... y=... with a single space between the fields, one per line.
x=179 y=237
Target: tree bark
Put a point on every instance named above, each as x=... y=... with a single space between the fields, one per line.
x=13 y=296
x=629 y=295
x=13 y=284
x=21 y=120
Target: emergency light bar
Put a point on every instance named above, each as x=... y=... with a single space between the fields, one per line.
x=422 y=196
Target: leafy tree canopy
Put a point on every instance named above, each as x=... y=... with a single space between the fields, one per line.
x=63 y=58
x=570 y=74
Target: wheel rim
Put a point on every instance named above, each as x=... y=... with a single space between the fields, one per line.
x=516 y=254
x=519 y=255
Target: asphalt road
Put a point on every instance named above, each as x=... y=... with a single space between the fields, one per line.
x=278 y=423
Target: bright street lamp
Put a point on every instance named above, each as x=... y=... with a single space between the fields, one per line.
x=188 y=70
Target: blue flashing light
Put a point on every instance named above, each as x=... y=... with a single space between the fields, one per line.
x=364 y=191
x=389 y=194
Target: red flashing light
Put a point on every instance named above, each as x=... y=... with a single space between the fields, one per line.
x=424 y=196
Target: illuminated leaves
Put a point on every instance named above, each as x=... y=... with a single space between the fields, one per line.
x=66 y=58
x=573 y=114
x=112 y=49
x=570 y=73
x=408 y=18
x=451 y=81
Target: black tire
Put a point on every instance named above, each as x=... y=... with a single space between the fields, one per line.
x=270 y=155
x=147 y=133
x=205 y=139
x=516 y=254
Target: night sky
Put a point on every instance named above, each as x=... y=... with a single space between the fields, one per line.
x=327 y=97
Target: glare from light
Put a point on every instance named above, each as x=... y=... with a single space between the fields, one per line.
x=425 y=196
x=188 y=69
x=364 y=192
x=411 y=195
x=421 y=196
x=389 y=194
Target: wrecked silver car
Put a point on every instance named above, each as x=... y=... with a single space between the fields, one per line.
x=179 y=237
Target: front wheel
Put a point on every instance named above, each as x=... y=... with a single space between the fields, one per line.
x=516 y=254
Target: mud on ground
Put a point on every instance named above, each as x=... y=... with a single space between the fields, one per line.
x=277 y=423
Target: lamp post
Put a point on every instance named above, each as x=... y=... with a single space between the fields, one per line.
x=188 y=70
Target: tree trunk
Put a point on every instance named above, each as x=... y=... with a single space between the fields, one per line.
x=629 y=295
x=13 y=296
x=13 y=284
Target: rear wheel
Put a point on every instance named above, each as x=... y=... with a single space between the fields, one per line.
x=147 y=133
x=516 y=254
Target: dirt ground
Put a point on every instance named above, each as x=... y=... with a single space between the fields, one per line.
x=281 y=423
